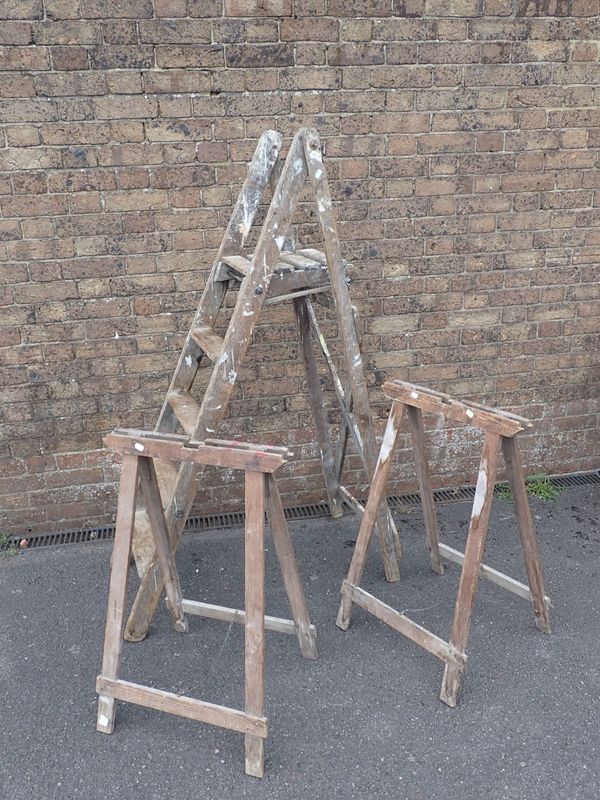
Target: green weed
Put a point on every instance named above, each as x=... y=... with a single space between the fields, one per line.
x=539 y=486
x=7 y=549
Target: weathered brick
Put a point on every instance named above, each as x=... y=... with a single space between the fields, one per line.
x=250 y=8
x=21 y=9
x=179 y=56
x=70 y=83
x=126 y=106
x=122 y=57
x=24 y=58
x=256 y=56
x=67 y=32
x=175 y=31
x=107 y=9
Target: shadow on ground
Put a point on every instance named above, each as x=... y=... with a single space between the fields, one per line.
x=362 y=722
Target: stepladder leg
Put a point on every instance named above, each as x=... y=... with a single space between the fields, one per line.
x=369 y=519
x=117 y=591
x=387 y=533
x=516 y=478
x=432 y=533
x=319 y=411
x=164 y=554
x=254 y=638
x=467 y=587
x=289 y=570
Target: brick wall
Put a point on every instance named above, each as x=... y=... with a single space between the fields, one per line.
x=462 y=141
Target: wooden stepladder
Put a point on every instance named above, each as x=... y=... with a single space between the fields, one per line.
x=274 y=272
x=501 y=429
x=140 y=450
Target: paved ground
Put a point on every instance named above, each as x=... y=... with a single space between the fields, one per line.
x=362 y=722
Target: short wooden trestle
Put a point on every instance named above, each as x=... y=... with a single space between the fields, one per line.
x=276 y=270
x=501 y=429
x=139 y=450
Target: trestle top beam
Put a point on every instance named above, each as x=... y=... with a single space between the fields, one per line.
x=213 y=452
x=489 y=419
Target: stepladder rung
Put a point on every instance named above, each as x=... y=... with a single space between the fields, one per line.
x=186 y=408
x=300 y=261
x=314 y=255
x=239 y=264
x=208 y=341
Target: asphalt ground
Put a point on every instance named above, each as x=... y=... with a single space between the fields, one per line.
x=364 y=721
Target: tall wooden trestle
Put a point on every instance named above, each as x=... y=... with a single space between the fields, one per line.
x=501 y=429
x=276 y=271
x=140 y=450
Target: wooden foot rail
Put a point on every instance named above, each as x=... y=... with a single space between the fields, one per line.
x=139 y=449
x=501 y=429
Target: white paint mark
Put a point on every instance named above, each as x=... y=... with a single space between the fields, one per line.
x=210 y=430
x=356 y=361
x=469 y=413
x=280 y=240
x=188 y=361
x=318 y=174
x=247 y=313
x=222 y=358
x=116 y=334
x=388 y=441
x=480 y=492
x=139 y=447
x=414 y=395
x=103 y=721
x=232 y=375
x=358 y=437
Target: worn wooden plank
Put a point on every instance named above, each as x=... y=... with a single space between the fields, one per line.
x=299 y=261
x=117 y=590
x=317 y=404
x=289 y=571
x=469 y=576
x=432 y=532
x=272 y=300
x=254 y=636
x=376 y=495
x=166 y=559
x=276 y=450
x=493 y=575
x=225 y=614
x=284 y=283
x=240 y=264
x=199 y=453
x=512 y=456
x=388 y=536
x=406 y=626
x=186 y=409
x=209 y=342
x=188 y=707
x=143 y=540
x=340 y=392
x=489 y=419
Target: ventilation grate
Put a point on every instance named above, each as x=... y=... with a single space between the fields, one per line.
x=311 y=511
